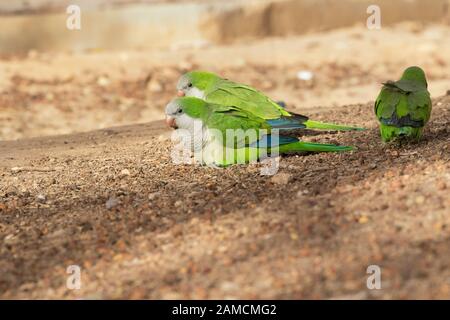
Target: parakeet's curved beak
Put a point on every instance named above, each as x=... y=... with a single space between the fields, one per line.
x=170 y=121
x=180 y=93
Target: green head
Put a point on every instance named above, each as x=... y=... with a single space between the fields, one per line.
x=181 y=112
x=195 y=83
x=415 y=74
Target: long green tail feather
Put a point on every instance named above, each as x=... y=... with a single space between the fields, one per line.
x=310 y=124
x=312 y=147
x=247 y=155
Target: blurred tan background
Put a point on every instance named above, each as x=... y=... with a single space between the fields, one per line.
x=122 y=66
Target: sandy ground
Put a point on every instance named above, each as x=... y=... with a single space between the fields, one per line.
x=112 y=202
x=139 y=226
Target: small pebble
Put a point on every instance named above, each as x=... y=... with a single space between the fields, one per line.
x=281 y=178
x=154 y=86
x=441 y=185
x=111 y=203
x=363 y=219
x=41 y=198
x=152 y=196
x=305 y=75
x=103 y=81
x=125 y=172
x=420 y=199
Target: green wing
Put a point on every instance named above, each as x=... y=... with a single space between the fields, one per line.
x=386 y=103
x=420 y=105
x=409 y=85
x=234 y=118
x=395 y=105
x=246 y=98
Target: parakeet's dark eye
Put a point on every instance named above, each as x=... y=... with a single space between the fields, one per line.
x=189 y=85
x=180 y=111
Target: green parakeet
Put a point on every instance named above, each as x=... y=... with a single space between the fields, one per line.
x=403 y=107
x=214 y=89
x=224 y=135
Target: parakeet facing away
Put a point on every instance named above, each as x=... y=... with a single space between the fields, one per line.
x=223 y=135
x=212 y=88
x=403 y=107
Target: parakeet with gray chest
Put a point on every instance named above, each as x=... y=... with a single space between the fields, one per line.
x=214 y=89
x=403 y=107
x=208 y=126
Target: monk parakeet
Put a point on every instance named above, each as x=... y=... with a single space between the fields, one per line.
x=403 y=107
x=212 y=88
x=224 y=135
